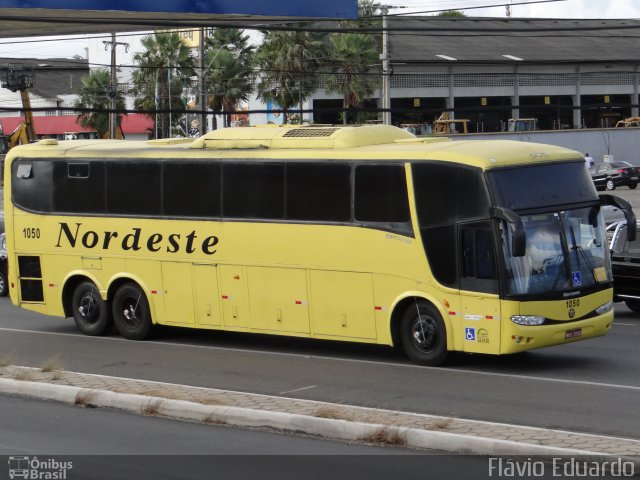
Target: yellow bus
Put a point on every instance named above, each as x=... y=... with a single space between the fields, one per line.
x=355 y=233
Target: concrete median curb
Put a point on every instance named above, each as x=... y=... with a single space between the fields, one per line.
x=254 y=418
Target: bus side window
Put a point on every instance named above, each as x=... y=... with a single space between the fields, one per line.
x=253 y=190
x=134 y=187
x=79 y=186
x=191 y=189
x=381 y=194
x=32 y=184
x=318 y=192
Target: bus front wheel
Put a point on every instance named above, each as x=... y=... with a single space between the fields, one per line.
x=424 y=337
x=90 y=311
x=131 y=312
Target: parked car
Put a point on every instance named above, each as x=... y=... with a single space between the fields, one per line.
x=625 y=260
x=4 y=285
x=610 y=175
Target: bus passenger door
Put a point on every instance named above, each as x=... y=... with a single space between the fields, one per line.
x=479 y=297
x=205 y=285
x=342 y=304
x=234 y=296
x=178 y=294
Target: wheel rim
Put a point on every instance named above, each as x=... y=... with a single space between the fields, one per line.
x=424 y=334
x=130 y=311
x=1 y=283
x=609 y=185
x=88 y=308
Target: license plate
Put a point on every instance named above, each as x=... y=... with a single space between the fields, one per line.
x=576 y=332
x=634 y=178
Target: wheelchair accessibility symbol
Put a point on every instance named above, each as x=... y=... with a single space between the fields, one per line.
x=576 y=279
x=470 y=334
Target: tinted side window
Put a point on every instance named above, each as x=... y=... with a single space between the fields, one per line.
x=79 y=186
x=32 y=185
x=319 y=192
x=253 y=190
x=473 y=201
x=191 y=189
x=381 y=194
x=134 y=188
x=435 y=186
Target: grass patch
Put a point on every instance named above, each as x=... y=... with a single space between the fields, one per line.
x=385 y=436
x=442 y=424
x=83 y=399
x=25 y=375
x=334 y=413
x=5 y=361
x=53 y=364
x=151 y=408
x=215 y=420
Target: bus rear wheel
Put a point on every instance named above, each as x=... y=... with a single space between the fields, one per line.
x=90 y=312
x=423 y=335
x=4 y=286
x=131 y=312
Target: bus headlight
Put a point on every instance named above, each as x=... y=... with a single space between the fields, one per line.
x=604 y=308
x=527 y=320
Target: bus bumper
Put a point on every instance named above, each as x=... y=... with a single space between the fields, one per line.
x=520 y=338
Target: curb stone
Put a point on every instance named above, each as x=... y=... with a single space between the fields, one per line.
x=247 y=417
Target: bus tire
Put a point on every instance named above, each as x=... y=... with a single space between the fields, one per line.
x=4 y=286
x=423 y=335
x=131 y=312
x=90 y=312
x=633 y=305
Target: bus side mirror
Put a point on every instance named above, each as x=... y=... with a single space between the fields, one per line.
x=518 y=236
x=622 y=204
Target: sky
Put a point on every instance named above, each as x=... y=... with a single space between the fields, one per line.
x=69 y=46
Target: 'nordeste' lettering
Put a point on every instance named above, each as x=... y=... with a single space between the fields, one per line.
x=135 y=240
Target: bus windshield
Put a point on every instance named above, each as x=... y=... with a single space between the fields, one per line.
x=565 y=250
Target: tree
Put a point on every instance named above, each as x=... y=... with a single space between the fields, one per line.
x=228 y=70
x=165 y=66
x=95 y=97
x=288 y=62
x=451 y=13
x=351 y=57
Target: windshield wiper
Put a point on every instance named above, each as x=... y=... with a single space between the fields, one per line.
x=580 y=250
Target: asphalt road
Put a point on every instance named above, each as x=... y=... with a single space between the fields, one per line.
x=591 y=386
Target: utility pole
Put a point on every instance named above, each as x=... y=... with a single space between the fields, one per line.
x=385 y=91
x=112 y=91
x=202 y=86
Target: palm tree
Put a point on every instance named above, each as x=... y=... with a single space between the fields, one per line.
x=165 y=66
x=94 y=99
x=289 y=61
x=352 y=56
x=228 y=70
